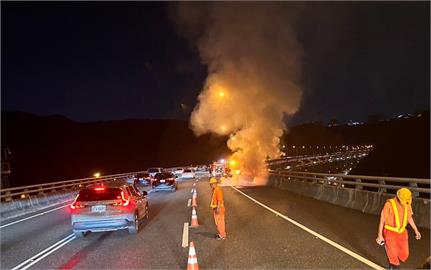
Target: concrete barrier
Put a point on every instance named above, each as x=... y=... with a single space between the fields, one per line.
x=361 y=200
x=19 y=207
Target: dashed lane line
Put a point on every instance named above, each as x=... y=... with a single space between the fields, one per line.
x=185 y=242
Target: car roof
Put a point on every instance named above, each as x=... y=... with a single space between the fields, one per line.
x=110 y=185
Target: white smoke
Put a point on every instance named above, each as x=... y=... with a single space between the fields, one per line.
x=253 y=61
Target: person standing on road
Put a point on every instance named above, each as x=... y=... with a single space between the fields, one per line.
x=217 y=205
x=392 y=227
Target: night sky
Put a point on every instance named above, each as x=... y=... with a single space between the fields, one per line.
x=109 y=61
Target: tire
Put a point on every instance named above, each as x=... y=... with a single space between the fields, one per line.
x=79 y=234
x=134 y=228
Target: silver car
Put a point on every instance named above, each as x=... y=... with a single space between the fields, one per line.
x=108 y=207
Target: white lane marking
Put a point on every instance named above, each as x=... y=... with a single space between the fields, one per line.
x=185 y=242
x=189 y=203
x=192 y=190
x=194 y=184
x=37 y=215
x=29 y=262
x=321 y=237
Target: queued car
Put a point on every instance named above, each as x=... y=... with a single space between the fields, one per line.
x=164 y=181
x=108 y=207
x=142 y=178
x=153 y=171
x=188 y=173
x=178 y=172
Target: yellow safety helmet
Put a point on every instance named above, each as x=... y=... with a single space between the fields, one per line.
x=405 y=196
x=213 y=180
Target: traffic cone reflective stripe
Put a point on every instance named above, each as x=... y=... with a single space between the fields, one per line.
x=194 y=222
x=192 y=262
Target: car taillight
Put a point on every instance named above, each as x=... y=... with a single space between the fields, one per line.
x=75 y=204
x=99 y=189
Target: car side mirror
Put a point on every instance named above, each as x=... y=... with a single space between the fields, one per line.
x=144 y=193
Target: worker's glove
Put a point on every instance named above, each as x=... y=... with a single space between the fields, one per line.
x=418 y=235
x=380 y=240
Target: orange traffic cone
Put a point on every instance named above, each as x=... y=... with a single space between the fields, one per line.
x=194 y=219
x=192 y=262
x=194 y=199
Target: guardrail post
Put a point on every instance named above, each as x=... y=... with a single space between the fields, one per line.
x=382 y=189
x=40 y=191
x=357 y=180
x=8 y=196
x=24 y=194
x=415 y=185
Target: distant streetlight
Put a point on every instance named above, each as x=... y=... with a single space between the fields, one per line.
x=97 y=175
x=223 y=128
x=221 y=94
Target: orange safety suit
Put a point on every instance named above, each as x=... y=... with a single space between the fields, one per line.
x=217 y=201
x=396 y=217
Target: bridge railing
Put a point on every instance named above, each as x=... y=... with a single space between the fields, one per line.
x=380 y=184
x=23 y=192
x=312 y=157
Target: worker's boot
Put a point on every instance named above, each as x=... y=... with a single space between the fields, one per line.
x=218 y=237
x=393 y=266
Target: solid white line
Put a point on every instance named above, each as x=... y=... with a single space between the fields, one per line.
x=46 y=254
x=29 y=262
x=37 y=215
x=185 y=242
x=321 y=237
x=189 y=203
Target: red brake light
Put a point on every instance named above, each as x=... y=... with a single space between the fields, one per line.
x=99 y=188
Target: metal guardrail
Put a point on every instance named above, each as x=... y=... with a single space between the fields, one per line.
x=23 y=192
x=381 y=183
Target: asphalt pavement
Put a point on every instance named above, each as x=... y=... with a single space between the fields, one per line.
x=257 y=238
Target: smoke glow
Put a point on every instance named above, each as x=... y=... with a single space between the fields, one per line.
x=253 y=70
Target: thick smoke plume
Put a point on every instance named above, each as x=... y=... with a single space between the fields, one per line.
x=253 y=70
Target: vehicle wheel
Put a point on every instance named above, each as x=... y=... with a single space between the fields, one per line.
x=79 y=234
x=134 y=228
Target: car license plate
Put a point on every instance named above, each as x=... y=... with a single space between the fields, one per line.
x=162 y=181
x=98 y=208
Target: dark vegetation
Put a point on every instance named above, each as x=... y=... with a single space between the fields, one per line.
x=45 y=148
x=401 y=145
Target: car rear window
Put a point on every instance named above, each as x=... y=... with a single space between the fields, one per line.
x=152 y=170
x=163 y=176
x=107 y=194
x=187 y=170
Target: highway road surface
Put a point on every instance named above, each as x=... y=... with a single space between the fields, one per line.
x=267 y=228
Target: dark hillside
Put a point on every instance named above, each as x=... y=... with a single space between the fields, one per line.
x=401 y=146
x=48 y=148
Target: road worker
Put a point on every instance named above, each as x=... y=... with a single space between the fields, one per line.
x=217 y=205
x=392 y=231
